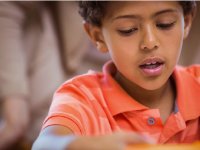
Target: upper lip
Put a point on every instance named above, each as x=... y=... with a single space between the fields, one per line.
x=152 y=60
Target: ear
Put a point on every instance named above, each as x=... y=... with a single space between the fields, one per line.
x=188 y=22
x=96 y=36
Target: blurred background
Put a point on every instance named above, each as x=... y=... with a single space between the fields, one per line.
x=42 y=44
x=191 y=47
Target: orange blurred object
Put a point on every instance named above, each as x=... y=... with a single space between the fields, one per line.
x=193 y=146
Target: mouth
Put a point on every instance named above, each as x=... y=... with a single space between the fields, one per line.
x=152 y=66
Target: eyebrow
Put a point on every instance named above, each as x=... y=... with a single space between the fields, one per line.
x=139 y=17
x=126 y=17
x=165 y=11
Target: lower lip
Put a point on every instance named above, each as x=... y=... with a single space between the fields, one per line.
x=154 y=71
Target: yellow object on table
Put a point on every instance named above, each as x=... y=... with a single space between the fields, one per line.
x=193 y=146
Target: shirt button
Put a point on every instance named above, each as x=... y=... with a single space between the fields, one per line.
x=151 y=121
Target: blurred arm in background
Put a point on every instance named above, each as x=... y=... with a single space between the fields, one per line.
x=13 y=75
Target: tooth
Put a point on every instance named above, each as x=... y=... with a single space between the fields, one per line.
x=148 y=63
x=154 y=62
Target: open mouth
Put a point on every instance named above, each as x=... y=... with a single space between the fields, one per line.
x=152 y=66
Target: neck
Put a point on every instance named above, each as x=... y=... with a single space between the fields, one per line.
x=150 y=98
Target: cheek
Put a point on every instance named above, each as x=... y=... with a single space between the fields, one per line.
x=125 y=48
x=176 y=44
x=122 y=47
x=123 y=55
x=173 y=44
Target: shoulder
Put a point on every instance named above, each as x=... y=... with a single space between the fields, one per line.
x=192 y=71
x=84 y=85
x=90 y=79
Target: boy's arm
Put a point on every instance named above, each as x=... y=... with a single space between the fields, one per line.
x=53 y=137
x=62 y=138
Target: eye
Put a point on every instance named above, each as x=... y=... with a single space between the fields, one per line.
x=166 y=26
x=127 y=32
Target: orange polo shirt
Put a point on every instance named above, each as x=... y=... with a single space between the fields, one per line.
x=95 y=104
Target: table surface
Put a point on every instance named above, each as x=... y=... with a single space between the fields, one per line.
x=193 y=146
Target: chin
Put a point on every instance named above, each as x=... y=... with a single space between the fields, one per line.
x=152 y=86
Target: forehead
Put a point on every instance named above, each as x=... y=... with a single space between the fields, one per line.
x=140 y=8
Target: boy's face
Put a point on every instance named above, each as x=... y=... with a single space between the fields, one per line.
x=144 y=40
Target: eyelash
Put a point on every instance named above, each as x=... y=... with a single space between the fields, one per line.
x=162 y=26
x=128 y=32
x=166 y=26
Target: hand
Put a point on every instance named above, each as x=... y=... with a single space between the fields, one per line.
x=116 y=141
x=14 y=121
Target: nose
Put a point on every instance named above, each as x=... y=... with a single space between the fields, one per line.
x=149 y=40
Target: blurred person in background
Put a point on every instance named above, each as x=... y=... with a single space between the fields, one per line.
x=41 y=45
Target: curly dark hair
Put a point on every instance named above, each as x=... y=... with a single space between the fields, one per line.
x=94 y=11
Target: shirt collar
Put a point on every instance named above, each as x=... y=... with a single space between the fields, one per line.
x=117 y=99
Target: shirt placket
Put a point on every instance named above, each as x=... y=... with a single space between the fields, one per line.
x=146 y=122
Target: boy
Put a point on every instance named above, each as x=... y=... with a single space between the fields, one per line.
x=140 y=92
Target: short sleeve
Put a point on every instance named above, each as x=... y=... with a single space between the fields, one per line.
x=72 y=108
